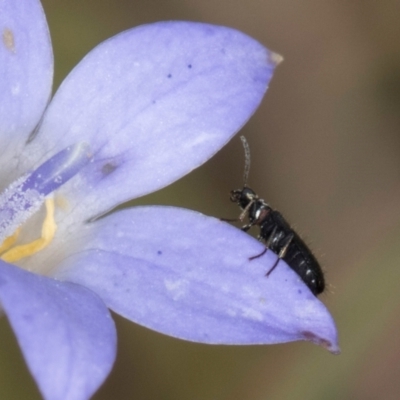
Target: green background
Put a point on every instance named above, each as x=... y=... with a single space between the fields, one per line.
x=325 y=152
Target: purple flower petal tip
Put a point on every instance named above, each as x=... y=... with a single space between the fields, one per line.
x=330 y=345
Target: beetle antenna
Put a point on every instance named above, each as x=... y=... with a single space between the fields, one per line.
x=246 y=160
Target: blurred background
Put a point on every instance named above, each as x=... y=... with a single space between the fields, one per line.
x=325 y=147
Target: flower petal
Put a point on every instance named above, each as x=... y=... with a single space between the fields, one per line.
x=26 y=70
x=154 y=103
x=65 y=332
x=189 y=276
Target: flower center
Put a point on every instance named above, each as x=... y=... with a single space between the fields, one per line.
x=25 y=196
x=49 y=228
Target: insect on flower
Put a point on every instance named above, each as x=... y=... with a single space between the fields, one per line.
x=141 y=110
x=276 y=233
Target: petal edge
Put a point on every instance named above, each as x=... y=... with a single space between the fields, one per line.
x=65 y=332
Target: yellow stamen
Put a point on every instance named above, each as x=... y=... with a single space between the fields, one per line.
x=49 y=228
x=9 y=241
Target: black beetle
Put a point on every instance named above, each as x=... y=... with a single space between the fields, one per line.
x=276 y=233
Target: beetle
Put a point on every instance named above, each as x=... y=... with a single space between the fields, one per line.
x=276 y=233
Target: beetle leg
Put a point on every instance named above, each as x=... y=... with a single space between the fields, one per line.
x=285 y=247
x=259 y=255
x=246 y=227
x=241 y=217
x=271 y=237
x=267 y=244
x=245 y=211
x=282 y=253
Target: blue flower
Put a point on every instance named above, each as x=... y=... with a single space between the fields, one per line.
x=140 y=111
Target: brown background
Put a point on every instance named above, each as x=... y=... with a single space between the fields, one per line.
x=325 y=151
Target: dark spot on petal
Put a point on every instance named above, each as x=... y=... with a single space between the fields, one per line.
x=300 y=291
x=159 y=252
x=154 y=102
x=189 y=66
x=108 y=168
x=316 y=339
x=169 y=76
x=8 y=40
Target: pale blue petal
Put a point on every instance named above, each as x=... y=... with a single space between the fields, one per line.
x=189 y=276
x=65 y=332
x=26 y=73
x=153 y=103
